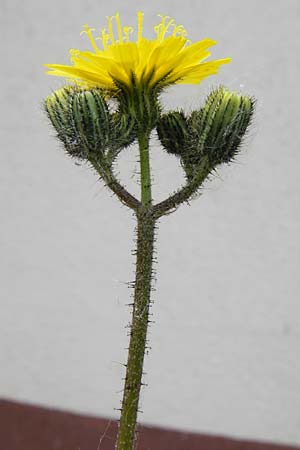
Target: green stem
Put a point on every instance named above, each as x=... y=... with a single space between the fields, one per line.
x=145 y=170
x=185 y=193
x=140 y=314
x=106 y=174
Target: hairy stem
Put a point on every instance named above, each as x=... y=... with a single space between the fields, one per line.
x=146 y=197
x=123 y=195
x=140 y=314
x=183 y=194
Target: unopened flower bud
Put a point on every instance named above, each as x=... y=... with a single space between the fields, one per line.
x=225 y=119
x=84 y=124
x=91 y=120
x=214 y=132
x=173 y=132
x=58 y=109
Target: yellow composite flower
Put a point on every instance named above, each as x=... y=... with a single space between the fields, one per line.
x=168 y=59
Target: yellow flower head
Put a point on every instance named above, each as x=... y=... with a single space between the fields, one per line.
x=168 y=59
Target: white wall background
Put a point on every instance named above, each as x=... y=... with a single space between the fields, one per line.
x=225 y=345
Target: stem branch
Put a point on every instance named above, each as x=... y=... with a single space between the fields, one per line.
x=183 y=194
x=124 y=196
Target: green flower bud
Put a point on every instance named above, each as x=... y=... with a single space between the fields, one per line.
x=124 y=130
x=214 y=132
x=200 y=122
x=58 y=108
x=173 y=132
x=84 y=124
x=91 y=120
x=222 y=124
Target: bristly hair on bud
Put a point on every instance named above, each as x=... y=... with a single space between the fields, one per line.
x=58 y=108
x=84 y=124
x=91 y=119
x=173 y=132
x=222 y=124
x=215 y=131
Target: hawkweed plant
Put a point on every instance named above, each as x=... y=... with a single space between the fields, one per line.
x=133 y=73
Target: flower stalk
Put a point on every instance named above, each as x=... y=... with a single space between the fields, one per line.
x=141 y=304
x=146 y=197
x=138 y=333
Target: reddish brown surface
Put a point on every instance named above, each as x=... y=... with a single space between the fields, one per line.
x=24 y=427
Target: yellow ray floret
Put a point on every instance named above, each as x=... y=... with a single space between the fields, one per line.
x=170 y=58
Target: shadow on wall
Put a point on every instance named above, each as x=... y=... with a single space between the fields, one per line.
x=24 y=427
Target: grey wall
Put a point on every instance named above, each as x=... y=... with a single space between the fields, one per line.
x=225 y=344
